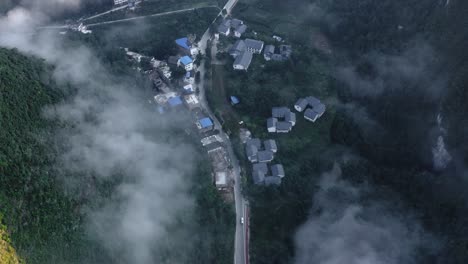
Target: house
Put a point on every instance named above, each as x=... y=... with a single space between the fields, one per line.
x=285 y=51
x=191 y=101
x=120 y=2
x=235 y=23
x=283 y=127
x=173 y=60
x=271 y=124
x=313 y=101
x=205 y=124
x=259 y=170
x=234 y=100
x=243 y=61
x=301 y=104
x=189 y=77
x=254 y=46
x=265 y=156
x=174 y=102
x=221 y=179
x=279 y=112
x=225 y=27
x=237 y=48
x=184 y=44
x=270 y=145
x=188 y=89
x=186 y=62
x=277 y=170
x=290 y=117
x=272 y=180
x=240 y=30
x=251 y=149
x=310 y=115
x=268 y=52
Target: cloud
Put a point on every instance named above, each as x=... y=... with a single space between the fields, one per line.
x=112 y=136
x=345 y=228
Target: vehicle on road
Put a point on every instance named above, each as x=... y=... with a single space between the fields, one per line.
x=242 y=220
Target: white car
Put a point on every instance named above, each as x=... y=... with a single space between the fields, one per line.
x=242 y=220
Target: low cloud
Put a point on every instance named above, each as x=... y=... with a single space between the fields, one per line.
x=346 y=228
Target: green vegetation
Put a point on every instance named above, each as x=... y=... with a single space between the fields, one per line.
x=7 y=252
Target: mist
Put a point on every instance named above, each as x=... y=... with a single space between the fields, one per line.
x=111 y=133
x=345 y=226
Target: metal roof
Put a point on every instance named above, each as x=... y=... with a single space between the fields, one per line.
x=277 y=170
x=302 y=103
x=271 y=122
x=244 y=59
x=265 y=156
x=283 y=126
x=205 y=122
x=175 y=101
x=279 y=112
x=310 y=114
x=270 y=144
x=312 y=101
x=183 y=42
x=234 y=100
x=186 y=60
x=253 y=44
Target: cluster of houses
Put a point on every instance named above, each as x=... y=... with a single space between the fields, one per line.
x=282 y=120
x=260 y=154
x=243 y=49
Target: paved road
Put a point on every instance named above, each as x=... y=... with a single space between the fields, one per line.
x=110 y=11
x=241 y=236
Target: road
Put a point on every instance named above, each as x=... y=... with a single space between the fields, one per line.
x=143 y=17
x=241 y=237
x=110 y=11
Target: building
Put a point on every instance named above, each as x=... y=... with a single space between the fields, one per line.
x=254 y=46
x=234 y=100
x=277 y=170
x=265 y=156
x=120 y=2
x=225 y=27
x=310 y=115
x=221 y=180
x=268 y=52
x=186 y=62
x=205 y=124
x=243 y=61
x=290 y=117
x=279 y=112
x=259 y=170
x=252 y=147
x=188 y=89
x=301 y=104
x=285 y=51
x=189 y=77
x=237 y=48
x=191 y=101
x=240 y=30
x=175 y=102
x=271 y=124
x=183 y=43
x=272 y=180
x=283 y=127
x=312 y=101
x=270 y=145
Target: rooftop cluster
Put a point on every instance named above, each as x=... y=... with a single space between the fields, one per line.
x=313 y=107
x=284 y=53
x=232 y=25
x=260 y=155
x=282 y=120
x=242 y=51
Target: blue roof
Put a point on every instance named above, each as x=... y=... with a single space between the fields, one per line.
x=206 y=122
x=187 y=74
x=234 y=100
x=175 y=101
x=186 y=60
x=183 y=42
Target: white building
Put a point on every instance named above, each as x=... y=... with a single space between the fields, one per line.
x=186 y=62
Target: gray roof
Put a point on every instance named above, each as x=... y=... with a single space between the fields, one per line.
x=235 y=23
x=283 y=126
x=310 y=114
x=285 y=50
x=238 y=46
x=290 y=117
x=271 y=122
x=265 y=156
x=319 y=109
x=269 y=50
x=254 y=44
x=255 y=141
x=270 y=144
x=258 y=177
x=277 y=57
x=302 y=103
x=223 y=29
x=251 y=151
x=279 y=112
x=313 y=101
x=244 y=59
x=241 y=29
x=272 y=180
x=277 y=170
x=262 y=167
